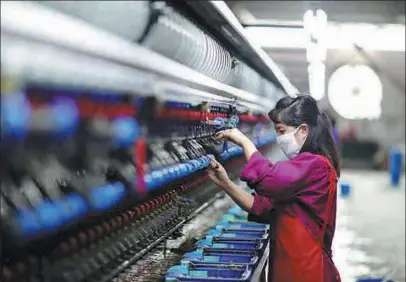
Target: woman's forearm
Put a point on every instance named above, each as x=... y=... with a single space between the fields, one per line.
x=248 y=148
x=242 y=198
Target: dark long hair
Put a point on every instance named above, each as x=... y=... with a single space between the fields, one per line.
x=303 y=109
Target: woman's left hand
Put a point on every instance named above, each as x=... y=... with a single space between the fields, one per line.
x=218 y=174
x=233 y=135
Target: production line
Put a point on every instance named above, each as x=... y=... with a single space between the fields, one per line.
x=107 y=132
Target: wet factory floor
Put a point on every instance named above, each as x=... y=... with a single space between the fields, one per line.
x=370 y=234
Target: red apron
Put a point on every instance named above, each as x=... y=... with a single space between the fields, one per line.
x=298 y=254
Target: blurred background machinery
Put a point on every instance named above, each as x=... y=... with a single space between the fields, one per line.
x=108 y=110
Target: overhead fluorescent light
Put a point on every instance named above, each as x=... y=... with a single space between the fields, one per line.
x=315 y=24
x=274 y=37
x=390 y=37
x=316 y=72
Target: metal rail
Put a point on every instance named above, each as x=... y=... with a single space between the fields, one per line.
x=259 y=270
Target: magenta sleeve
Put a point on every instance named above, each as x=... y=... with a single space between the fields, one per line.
x=261 y=206
x=261 y=210
x=282 y=180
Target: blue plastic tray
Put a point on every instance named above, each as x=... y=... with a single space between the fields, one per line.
x=216 y=244
x=245 y=230
x=202 y=256
x=235 y=216
x=242 y=226
x=229 y=252
x=243 y=235
x=242 y=223
x=201 y=272
x=234 y=239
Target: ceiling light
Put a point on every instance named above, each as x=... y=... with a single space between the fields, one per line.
x=389 y=37
x=316 y=72
x=355 y=92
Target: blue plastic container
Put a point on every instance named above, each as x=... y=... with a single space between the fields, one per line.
x=246 y=230
x=245 y=235
x=214 y=244
x=229 y=252
x=202 y=272
x=345 y=189
x=395 y=165
x=203 y=256
x=242 y=226
x=232 y=221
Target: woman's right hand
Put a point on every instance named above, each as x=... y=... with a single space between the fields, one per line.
x=233 y=135
x=218 y=174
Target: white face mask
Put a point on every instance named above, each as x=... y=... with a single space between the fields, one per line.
x=288 y=144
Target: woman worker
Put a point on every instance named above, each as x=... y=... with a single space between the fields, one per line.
x=297 y=196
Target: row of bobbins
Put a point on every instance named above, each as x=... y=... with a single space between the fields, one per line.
x=107 y=227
